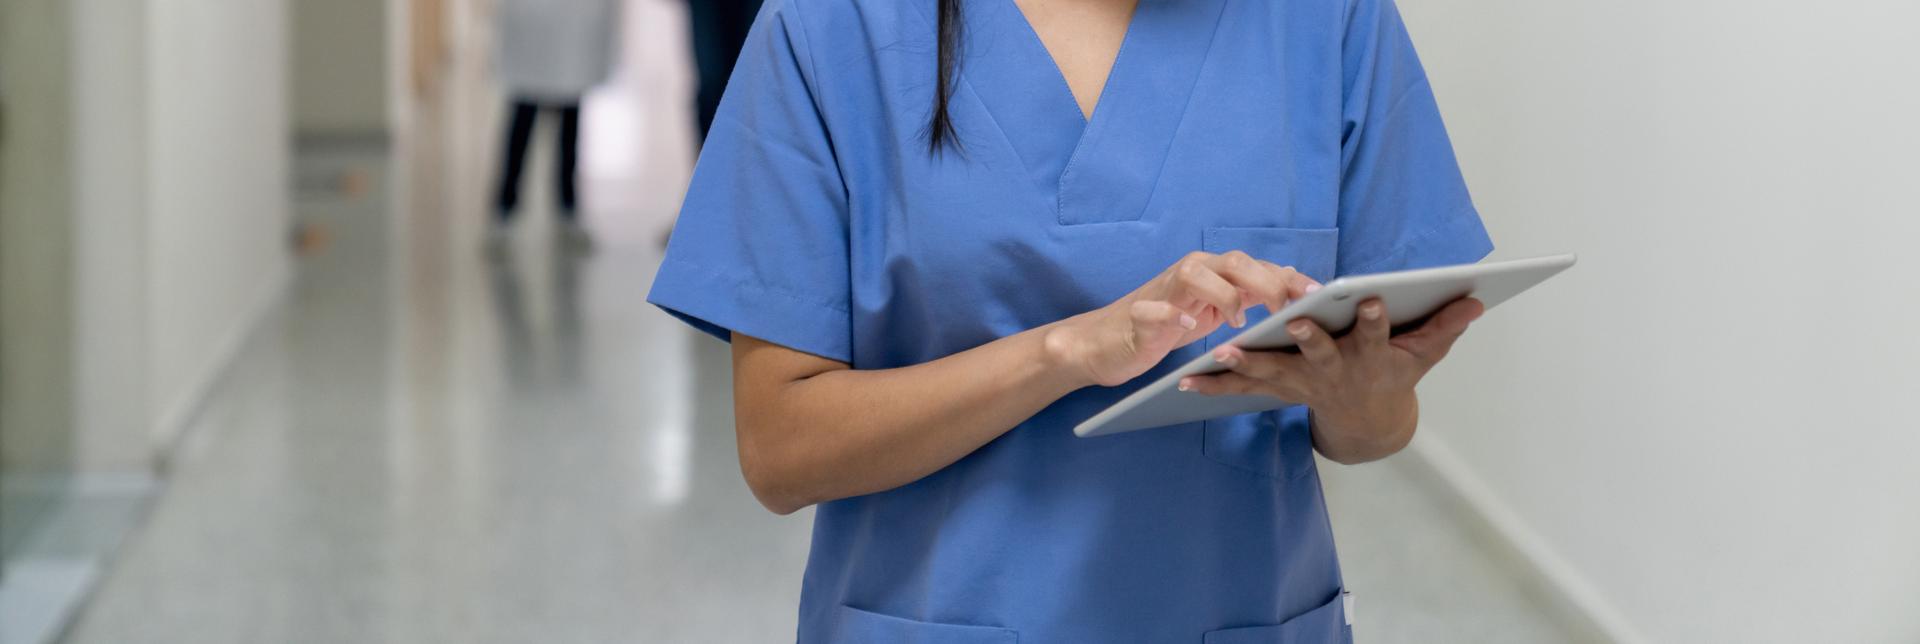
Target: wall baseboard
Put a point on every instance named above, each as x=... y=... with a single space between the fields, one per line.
x=1566 y=588
x=311 y=140
x=176 y=418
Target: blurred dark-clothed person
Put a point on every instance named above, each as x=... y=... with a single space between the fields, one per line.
x=719 y=30
x=550 y=52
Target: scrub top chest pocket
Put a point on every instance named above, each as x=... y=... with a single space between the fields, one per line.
x=1265 y=443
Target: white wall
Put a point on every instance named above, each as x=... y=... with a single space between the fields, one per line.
x=346 y=70
x=179 y=187
x=219 y=220
x=1709 y=419
x=35 y=251
x=113 y=406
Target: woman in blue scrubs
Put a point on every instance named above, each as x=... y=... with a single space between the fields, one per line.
x=940 y=233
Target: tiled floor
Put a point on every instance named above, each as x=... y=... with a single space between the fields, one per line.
x=423 y=447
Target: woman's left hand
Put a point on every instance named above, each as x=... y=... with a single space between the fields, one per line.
x=1360 y=386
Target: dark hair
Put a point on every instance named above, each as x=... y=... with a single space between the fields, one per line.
x=940 y=131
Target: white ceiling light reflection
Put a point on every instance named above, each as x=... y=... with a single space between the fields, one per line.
x=671 y=450
x=669 y=439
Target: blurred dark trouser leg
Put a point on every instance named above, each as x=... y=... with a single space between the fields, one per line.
x=719 y=30
x=513 y=158
x=567 y=178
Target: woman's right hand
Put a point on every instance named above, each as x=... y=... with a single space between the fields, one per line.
x=1118 y=342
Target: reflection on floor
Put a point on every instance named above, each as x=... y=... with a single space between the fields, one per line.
x=512 y=453
x=55 y=559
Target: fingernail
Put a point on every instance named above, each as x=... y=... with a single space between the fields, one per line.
x=1187 y=322
x=1300 y=330
x=1313 y=287
x=1186 y=384
x=1225 y=357
x=1370 y=311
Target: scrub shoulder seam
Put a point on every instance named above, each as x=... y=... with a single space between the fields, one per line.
x=756 y=285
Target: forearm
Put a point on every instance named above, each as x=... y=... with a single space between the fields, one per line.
x=850 y=432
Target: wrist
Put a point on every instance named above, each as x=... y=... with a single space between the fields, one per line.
x=1368 y=432
x=1062 y=351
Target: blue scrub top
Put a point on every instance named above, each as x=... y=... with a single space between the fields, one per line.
x=1302 y=132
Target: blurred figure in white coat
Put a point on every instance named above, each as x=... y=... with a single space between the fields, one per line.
x=550 y=52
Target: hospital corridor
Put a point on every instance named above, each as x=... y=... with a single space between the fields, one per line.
x=284 y=362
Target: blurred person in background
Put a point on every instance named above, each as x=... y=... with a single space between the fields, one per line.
x=550 y=52
x=719 y=30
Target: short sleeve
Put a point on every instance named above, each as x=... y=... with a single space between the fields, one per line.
x=760 y=247
x=1403 y=202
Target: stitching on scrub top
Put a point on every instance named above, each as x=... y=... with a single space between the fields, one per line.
x=1398 y=252
x=995 y=121
x=1399 y=101
x=1006 y=141
x=762 y=286
x=1186 y=110
x=1088 y=123
x=814 y=93
x=1406 y=93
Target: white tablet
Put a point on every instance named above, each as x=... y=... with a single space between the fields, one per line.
x=1410 y=297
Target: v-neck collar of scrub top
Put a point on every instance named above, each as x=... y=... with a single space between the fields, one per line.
x=1102 y=169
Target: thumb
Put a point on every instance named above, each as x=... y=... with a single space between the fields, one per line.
x=1158 y=326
